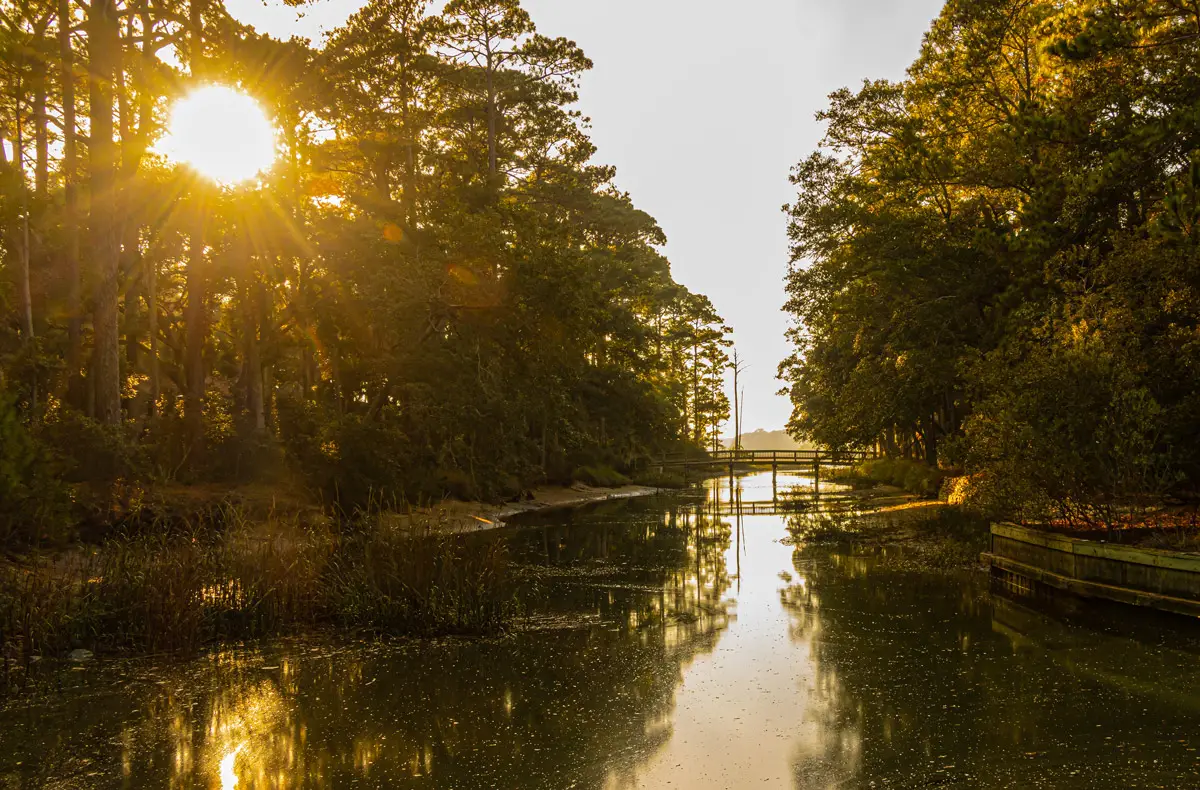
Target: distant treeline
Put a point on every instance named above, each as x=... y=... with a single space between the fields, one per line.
x=768 y=440
x=435 y=289
x=996 y=261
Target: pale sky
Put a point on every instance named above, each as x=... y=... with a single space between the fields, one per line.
x=704 y=106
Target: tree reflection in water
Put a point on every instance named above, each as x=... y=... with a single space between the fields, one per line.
x=618 y=611
x=923 y=679
x=839 y=671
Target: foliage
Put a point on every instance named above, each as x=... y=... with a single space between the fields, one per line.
x=913 y=476
x=434 y=290
x=34 y=504
x=994 y=260
x=601 y=476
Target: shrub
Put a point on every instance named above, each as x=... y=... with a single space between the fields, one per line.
x=91 y=452
x=1071 y=433
x=913 y=476
x=455 y=484
x=601 y=476
x=352 y=460
x=35 y=505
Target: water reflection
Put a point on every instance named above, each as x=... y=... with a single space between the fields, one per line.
x=229 y=778
x=679 y=642
x=921 y=685
x=624 y=601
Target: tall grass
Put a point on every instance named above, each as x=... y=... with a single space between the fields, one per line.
x=181 y=590
x=912 y=476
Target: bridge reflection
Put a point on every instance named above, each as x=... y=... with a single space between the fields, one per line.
x=750 y=495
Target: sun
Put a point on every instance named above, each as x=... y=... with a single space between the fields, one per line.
x=221 y=133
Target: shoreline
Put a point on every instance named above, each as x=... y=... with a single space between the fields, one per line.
x=457 y=517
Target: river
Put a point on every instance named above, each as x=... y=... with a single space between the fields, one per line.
x=668 y=643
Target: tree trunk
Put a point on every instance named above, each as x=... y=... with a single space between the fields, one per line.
x=195 y=325
x=23 y=243
x=493 y=164
x=410 y=167
x=152 y=332
x=931 y=442
x=195 y=332
x=41 y=137
x=74 y=356
x=253 y=369
x=696 y=420
x=104 y=55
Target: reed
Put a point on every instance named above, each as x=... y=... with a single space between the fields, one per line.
x=184 y=589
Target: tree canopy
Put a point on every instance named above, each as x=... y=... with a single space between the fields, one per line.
x=435 y=289
x=995 y=259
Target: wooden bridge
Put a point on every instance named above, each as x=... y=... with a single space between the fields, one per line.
x=776 y=459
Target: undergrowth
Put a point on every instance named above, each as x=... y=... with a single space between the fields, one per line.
x=183 y=590
x=912 y=476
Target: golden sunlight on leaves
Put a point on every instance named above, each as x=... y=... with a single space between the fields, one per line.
x=462 y=274
x=220 y=133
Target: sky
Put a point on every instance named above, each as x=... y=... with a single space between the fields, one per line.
x=704 y=106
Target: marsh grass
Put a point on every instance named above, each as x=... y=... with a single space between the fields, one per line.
x=912 y=476
x=184 y=589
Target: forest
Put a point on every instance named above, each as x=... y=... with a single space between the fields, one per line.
x=434 y=290
x=996 y=260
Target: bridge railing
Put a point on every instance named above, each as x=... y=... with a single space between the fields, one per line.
x=772 y=457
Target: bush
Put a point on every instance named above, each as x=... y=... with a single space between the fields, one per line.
x=91 y=452
x=601 y=477
x=354 y=461
x=1070 y=434
x=455 y=484
x=913 y=476
x=35 y=505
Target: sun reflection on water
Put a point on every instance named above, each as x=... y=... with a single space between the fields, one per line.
x=229 y=779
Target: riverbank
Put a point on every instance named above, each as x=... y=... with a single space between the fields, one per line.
x=456 y=517
x=203 y=568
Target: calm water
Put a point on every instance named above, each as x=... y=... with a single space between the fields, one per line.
x=672 y=644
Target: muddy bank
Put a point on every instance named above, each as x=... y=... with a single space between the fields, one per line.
x=171 y=508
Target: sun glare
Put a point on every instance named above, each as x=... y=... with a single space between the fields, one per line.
x=221 y=133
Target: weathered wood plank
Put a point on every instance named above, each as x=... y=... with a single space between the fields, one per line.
x=1089 y=589
x=1174 y=560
